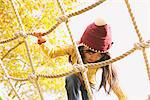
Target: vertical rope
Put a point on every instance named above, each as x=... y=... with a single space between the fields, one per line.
x=139 y=36
x=84 y=73
x=18 y=17
x=26 y=44
x=9 y=81
x=31 y=64
x=133 y=21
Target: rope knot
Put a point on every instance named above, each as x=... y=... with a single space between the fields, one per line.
x=138 y=46
x=32 y=77
x=63 y=18
x=79 y=68
x=142 y=45
x=21 y=34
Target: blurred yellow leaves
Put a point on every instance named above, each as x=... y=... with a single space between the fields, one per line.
x=36 y=15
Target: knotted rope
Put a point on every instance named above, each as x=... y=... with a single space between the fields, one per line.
x=79 y=67
x=58 y=22
x=139 y=36
x=9 y=81
x=26 y=44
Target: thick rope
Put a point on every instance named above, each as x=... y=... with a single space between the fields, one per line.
x=76 y=13
x=19 y=19
x=9 y=40
x=26 y=44
x=31 y=64
x=7 y=75
x=58 y=22
x=78 y=68
x=18 y=79
x=139 y=36
x=11 y=59
x=60 y=74
x=133 y=21
x=21 y=79
x=141 y=47
x=110 y=61
x=84 y=73
x=137 y=46
x=12 y=49
x=86 y=9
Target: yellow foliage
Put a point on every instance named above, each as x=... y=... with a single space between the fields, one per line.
x=36 y=15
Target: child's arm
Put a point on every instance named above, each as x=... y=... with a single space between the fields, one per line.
x=53 y=51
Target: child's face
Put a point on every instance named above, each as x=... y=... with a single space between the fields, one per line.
x=90 y=56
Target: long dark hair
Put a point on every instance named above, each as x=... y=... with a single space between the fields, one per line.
x=107 y=72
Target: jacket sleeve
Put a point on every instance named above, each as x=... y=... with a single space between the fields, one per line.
x=55 y=51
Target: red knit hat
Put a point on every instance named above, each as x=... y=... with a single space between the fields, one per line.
x=97 y=36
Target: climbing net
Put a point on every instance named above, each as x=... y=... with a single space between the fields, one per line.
x=142 y=45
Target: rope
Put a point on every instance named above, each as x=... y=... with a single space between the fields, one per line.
x=84 y=73
x=58 y=23
x=137 y=46
x=107 y=62
x=53 y=27
x=86 y=9
x=26 y=45
x=75 y=14
x=139 y=36
x=31 y=64
x=59 y=75
x=19 y=19
x=17 y=79
x=9 y=40
x=133 y=21
x=78 y=68
x=12 y=49
x=7 y=75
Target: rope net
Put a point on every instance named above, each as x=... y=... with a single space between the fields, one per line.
x=142 y=45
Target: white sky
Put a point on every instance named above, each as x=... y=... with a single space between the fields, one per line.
x=132 y=70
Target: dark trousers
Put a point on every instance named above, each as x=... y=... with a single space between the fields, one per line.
x=73 y=86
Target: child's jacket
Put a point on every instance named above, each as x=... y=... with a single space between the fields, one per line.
x=70 y=51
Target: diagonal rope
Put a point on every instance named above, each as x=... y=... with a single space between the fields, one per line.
x=19 y=19
x=87 y=8
x=31 y=64
x=139 y=36
x=9 y=40
x=9 y=81
x=79 y=68
x=18 y=79
x=137 y=46
x=10 y=77
x=26 y=44
x=84 y=73
x=58 y=22
x=140 y=47
x=110 y=61
x=58 y=75
x=12 y=49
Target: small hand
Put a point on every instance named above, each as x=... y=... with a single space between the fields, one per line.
x=40 y=38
